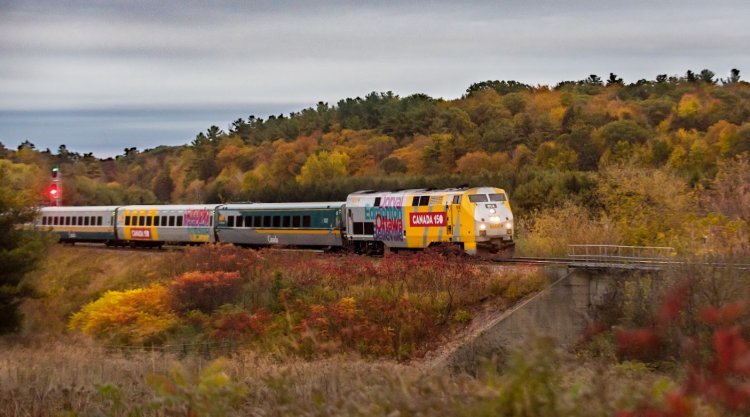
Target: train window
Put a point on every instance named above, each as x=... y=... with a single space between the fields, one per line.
x=86 y=221
x=424 y=200
x=127 y=220
x=211 y=220
x=230 y=221
x=359 y=228
x=141 y=220
x=415 y=201
x=56 y=221
x=75 y=221
x=286 y=221
x=171 y=220
x=497 y=197
x=67 y=220
x=179 y=221
x=148 y=220
x=377 y=202
x=266 y=221
x=80 y=220
x=164 y=220
x=99 y=221
x=306 y=221
x=276 y=221
x=296 y=221
x=369 y=228
x=256 y=221
x=457 y=199
x=44 y=221
x=478 y=198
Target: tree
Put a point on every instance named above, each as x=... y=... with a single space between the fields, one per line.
x=734 y=77
x=323 y=167
x=20 y=250
x=593 y=79
x=707 y=76
x=613 y=79
x=623 y=131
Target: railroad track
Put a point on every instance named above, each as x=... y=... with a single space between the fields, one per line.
x=594 y=263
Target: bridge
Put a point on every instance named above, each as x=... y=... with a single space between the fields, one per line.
x=621 y=257
x=582 y=282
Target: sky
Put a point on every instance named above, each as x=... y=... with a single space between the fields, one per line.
x=102 y=76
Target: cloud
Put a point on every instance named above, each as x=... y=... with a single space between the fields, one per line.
x=62 y=55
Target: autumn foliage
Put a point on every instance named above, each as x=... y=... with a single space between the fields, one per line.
x=204 y=291
x=717 y=357
x=307 y=304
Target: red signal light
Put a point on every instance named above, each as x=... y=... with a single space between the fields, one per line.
x=53 y=191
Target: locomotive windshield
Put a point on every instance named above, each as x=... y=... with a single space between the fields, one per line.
x=478 y=198
x=497 y=197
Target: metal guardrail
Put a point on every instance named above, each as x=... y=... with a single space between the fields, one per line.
x=618 y=255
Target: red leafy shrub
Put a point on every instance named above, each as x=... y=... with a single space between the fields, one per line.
x=718 y=365
x=234 y=324
x=204 y=291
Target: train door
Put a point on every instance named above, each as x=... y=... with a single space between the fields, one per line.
x=454 y=216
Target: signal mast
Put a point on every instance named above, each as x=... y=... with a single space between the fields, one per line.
x=55 y=189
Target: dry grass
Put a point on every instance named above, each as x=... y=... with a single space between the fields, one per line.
x=77 y=379
x=71 y=276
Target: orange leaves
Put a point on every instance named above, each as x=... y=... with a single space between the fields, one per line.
x=205 y=291
x=724 y=315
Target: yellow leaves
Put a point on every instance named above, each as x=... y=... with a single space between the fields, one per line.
x=347 y=307
x=646 y=204
x=133 y=316
x=689 y=105
x=323 y=166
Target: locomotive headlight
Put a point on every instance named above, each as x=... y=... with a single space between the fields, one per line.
x=508 y=225
x=482 y=226
x=495 y=219
x=493 y=211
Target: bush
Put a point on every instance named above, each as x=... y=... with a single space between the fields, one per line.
x=204 y=291
x=140 y=316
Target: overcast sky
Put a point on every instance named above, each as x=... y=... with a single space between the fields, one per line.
x=100 y=76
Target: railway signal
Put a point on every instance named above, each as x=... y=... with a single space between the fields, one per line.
x=55 y=189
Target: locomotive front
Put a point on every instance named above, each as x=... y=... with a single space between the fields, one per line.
x=493 y=219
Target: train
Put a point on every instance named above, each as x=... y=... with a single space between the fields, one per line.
x=472 y=219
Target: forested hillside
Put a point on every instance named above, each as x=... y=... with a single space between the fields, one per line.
x=650 y=162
